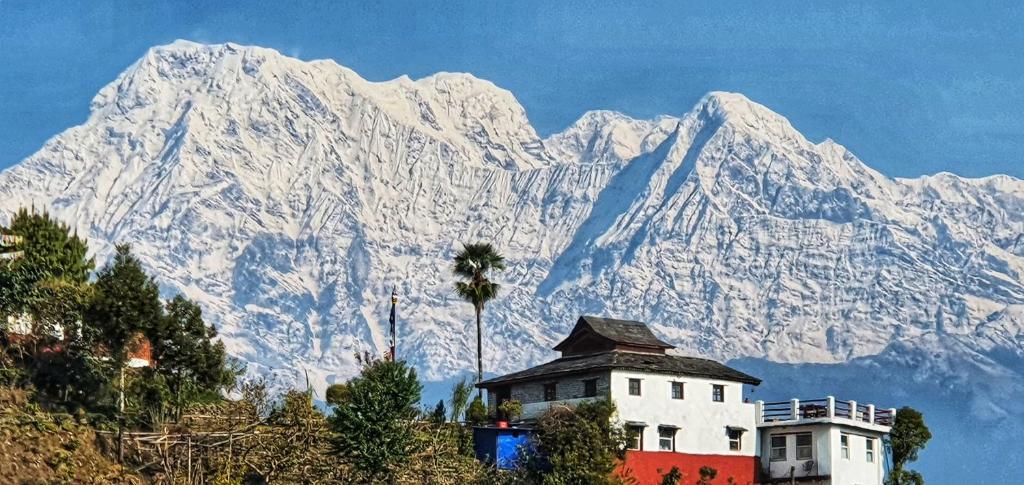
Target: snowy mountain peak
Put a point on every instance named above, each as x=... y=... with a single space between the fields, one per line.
x=287 y=197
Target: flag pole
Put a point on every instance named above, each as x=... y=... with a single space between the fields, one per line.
x=394 y=334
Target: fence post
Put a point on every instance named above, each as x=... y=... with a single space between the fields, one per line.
x=759 y=411
x=794 y=409
x=830 y=406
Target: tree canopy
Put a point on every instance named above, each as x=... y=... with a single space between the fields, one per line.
x=373 y=424
x=908 y=436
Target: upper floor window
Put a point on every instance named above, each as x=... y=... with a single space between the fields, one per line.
x=634 y=387
x=666 y=438
x=636 y=437
x=590 y=388
x=717 y=393
x=549 y=391
x=778 y=448
x=803 y=446
x=735 y=439
x=870 y=450
x=677 y=390
x=844 y=446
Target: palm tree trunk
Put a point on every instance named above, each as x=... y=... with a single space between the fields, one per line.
x=479 y=352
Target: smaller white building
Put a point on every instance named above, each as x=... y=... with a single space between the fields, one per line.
x=823 y=441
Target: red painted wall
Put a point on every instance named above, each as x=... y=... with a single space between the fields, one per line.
x=647 y=467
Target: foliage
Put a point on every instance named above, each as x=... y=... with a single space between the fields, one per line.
x=439 y=414
x=576 y=445
x=444 y=456
x=336 y=394
x=459 y=402
x=52 y=252
x=477 y=412
x=188 y=358
x=904 y=477
x=472 y=265
x=373 y=432
x=707 y=474
x=127 y=301
x=672 y=477
x=908 y=437
x=511 y=409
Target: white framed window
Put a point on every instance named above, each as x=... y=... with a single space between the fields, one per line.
x=844 y=446
x=666 y=438
x=735 y=439
x=634 y=387
x=804 y=449
x=636 y=437
x=717 y=393
x=869 y=450
x=778 y=448
x=677 y=390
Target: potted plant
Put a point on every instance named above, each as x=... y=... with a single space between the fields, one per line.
x=510 y=411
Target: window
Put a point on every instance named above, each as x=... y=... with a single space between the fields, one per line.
x=717 y=393
x=803 y=446
x=735 y=439
x=778 y=449
x=844 y=446
x=666 y=438
x=636 y=437
x=870 y=450
x=590 y=388
x=549 y=391
x=634 y=387
x=677 y=390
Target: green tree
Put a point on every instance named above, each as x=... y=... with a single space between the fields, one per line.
x=439 y=414
x=581 y=445
x=908 y=436
x=193 y=364
x=472 y=265
x=459 y=402
x=477 y=412
x=126 y=302
x=53 y=255
x=373 y=426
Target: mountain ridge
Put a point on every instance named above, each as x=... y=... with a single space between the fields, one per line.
x=286 y=196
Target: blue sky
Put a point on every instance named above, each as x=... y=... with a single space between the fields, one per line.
x=913 y=88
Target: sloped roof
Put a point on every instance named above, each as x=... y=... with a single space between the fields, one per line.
x=653 y=363
x=626 y=332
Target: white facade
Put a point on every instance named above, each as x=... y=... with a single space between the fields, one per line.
x=702 y=424
x=836 y=442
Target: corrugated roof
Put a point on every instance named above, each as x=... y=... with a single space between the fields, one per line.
x=653 y=363
x=627 y=332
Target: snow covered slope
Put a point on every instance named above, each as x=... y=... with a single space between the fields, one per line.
x=288 y=197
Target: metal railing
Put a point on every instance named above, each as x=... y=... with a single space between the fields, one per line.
x=825 y=408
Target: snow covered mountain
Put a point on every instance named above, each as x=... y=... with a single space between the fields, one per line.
x=288 y=197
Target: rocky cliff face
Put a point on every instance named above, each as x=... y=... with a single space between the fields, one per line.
x=288 y=197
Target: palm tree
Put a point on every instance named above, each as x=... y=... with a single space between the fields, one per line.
x=472 y=265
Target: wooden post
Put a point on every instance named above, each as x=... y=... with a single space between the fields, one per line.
x=120 y=421
x=189 y=453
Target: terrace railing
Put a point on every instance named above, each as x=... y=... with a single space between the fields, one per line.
x=825 y=408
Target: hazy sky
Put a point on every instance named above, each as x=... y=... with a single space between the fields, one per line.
x=914 y=88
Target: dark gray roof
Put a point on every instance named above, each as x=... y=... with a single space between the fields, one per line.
x=654 y=363
x=627 y=332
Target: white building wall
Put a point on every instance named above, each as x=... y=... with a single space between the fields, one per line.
x=856 y=470
x=820 y=451
x=827 y=454
x=701 y=421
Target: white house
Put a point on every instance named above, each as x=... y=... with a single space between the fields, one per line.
x=690 y=412
x=825 y=441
